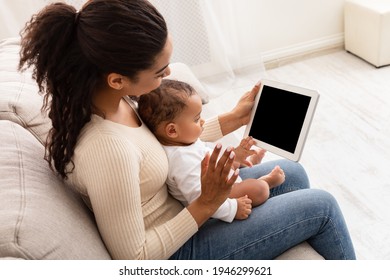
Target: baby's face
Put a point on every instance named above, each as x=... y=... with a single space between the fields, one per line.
x=189 y=123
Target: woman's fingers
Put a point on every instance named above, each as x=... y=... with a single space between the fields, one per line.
x=255 y=90
x=219 y=169
x=224 y=164
x=214 y=156
x=234 y=177
x=205 y=164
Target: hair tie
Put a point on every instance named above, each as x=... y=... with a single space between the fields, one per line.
x=77 y=17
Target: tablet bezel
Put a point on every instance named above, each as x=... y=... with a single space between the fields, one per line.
x=314 y=94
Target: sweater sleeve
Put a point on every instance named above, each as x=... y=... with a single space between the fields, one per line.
x=111 y=176
x=211 y=130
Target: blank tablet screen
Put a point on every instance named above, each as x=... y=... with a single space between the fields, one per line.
x=279 y=117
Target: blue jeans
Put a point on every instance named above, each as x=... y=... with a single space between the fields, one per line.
x=294 y=213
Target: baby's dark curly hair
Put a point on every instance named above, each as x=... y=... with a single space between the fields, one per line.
x=72 y=52
x=165 y=103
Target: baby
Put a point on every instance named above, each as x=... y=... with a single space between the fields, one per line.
x=173 y=113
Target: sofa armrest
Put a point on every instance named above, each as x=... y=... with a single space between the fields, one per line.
x=40 y=217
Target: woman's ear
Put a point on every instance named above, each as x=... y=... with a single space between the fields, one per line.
x=171 y=130
x=115 y=81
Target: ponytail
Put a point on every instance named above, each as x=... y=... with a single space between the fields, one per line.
x=70 y=53
x=51 y=30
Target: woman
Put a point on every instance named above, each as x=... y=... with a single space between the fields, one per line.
x=87 y=63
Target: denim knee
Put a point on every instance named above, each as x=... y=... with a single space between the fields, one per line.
x=295 y=173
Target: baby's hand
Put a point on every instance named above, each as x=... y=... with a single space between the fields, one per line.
x=243 y=151
x=257 y=157
x=244 y=208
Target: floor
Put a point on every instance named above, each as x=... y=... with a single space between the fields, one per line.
x=348 y=148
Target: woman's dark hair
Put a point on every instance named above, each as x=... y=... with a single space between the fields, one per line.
x=164 y=104
x=71 y=52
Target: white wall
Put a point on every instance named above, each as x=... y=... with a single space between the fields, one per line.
x=15 y=13
x=263 y=29
x=280 y=28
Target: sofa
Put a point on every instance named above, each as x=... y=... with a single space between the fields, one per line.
x=40 y=218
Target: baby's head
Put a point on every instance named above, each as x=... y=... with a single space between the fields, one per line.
x=172 y=113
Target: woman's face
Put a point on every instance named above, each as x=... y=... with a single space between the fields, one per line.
x=150 y=79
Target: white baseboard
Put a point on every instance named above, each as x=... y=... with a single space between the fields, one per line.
x=285 y=55
x=278 y=57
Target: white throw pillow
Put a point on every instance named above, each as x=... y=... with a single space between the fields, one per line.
x=181 y=72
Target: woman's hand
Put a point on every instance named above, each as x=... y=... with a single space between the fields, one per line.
x=240 y=114
x=243 y=109
x=216 y=184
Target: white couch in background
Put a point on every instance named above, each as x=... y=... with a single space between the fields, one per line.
x=367 y=30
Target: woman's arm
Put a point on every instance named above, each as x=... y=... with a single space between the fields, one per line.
x=217 y=127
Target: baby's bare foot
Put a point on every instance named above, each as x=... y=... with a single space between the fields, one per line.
x=275 y=177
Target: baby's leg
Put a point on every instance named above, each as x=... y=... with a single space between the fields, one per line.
x=275 y=177
x=257 y=190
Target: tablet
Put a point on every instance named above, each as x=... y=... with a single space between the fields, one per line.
x=281 y=118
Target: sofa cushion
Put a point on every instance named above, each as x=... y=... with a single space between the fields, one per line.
x=181 y=72
x=19 y=101
x=40 y=218
x=302 y=251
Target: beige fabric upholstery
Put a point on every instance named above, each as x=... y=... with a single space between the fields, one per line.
x=19 y=101
x=367 y=30
x=302 y=251
x=40 y=217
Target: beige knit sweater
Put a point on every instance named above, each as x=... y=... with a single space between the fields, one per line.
x=121 y=173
